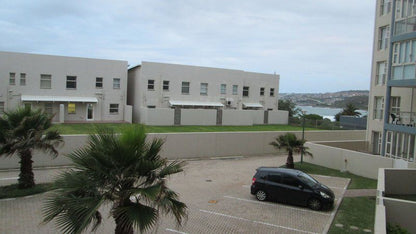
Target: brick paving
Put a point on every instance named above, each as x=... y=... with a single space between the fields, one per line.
x=216 y=192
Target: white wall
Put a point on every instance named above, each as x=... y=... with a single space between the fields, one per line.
x=358 y=163
x=237 y=117
x=194 y=145
x=278 y=117
x=160 y=116
x=198 y=117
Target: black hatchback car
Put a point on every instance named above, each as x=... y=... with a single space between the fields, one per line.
x=291 y=186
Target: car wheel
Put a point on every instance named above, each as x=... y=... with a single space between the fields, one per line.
x=261 y=195
x=314 y=204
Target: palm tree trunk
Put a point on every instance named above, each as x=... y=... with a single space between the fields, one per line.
x=26 y=177
x=289 y=160
x=122 y=228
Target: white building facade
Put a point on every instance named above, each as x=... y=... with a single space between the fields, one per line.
x=171 y=94
x=73 y=89
x=391 y=127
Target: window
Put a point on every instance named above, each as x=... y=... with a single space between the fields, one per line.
x=116 y=83
x=223 y=89
x=204 y=89
x=405 y=8
x=99 y=82
x=395 y=105
x=22 y=79
x=291 y=181
x=71 y=108
x=45 y=81
x=383 y=37
x=235 y=89
x=165 y=85
x=403 y=60
x=378 y=107
x=381 y=73
x=48 y=108
x=274 y=178
x=185 y=87
x=245 y=91
x=114 y=109
x=271 y=92
x=150 y=84
x=12 y=80
x=385 y=7
x=71 y=82
x=1 y=107
x=261 y=91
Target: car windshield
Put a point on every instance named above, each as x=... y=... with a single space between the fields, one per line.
x=307 y=179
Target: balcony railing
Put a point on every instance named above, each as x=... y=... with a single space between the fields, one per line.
x=403 y=118
x=405 y=26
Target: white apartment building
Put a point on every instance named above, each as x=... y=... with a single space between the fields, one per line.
x=167 y=94
x=73 y=89
x=391 y=123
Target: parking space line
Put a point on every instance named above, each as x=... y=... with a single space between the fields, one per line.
x=246 y=186
x=175 y=231
x=254 y=221
x=10 y=178
x=269 y=204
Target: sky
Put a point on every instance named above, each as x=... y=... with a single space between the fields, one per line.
x=314 y=45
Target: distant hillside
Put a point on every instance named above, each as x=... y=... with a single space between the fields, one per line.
x=358 y=98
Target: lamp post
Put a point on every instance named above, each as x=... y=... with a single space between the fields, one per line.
x=303 y=135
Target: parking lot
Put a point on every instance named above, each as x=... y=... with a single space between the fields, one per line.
x=217 y=193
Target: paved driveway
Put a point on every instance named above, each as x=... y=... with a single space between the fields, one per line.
x=217 y=193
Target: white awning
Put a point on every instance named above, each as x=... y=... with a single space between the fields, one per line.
x=192 y=103
x=30 y=98
x=253 y=105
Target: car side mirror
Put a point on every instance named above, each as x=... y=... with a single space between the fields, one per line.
x=300 y=186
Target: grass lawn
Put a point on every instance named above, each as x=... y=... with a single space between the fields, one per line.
x=86 y=128
x=10 y=191
x=357 y=182
x=354 y=211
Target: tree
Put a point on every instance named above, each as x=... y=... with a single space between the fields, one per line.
x=291 y=144
x=349 y=110
x=123 y=170
x=22 y=131
x=313 y=117
x=289 y=106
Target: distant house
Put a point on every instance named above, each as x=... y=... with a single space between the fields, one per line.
x=74 y=89
x=167 y=94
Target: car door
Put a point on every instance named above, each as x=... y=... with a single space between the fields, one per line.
x=274 y=186
x=295 y=191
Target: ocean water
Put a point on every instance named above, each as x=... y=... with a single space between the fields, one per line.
x=326 y=112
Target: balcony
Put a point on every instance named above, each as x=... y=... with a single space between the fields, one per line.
x=403 y=118
x=403 y=75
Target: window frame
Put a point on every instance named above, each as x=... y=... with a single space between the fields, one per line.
x=186 y=87
x=165 y=85
x=114 y=108
x=151 y=85
x=12 y=78
x=45 y=81
x=223 y=89
x=246 y=91
x=203 y=90
x=271 y=92
x=99 y=84
x=22 y=79
x=116 y=83
x=262 y=91
x=71 y=81
x=235 y=89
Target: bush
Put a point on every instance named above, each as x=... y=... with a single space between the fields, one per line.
x=396 y=229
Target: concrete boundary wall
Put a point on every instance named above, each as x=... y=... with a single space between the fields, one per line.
x=198 y=117
x=358 y=163
x=195 y=145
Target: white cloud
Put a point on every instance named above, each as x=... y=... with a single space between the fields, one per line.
x=320 y=44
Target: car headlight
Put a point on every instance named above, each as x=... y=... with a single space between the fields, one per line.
x=324 y=195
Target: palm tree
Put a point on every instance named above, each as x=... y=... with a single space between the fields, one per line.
x=291 y=144
x=22 y=131
x=123 y=170
x=349 y=110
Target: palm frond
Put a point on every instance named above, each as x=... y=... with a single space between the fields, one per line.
x=140 y=216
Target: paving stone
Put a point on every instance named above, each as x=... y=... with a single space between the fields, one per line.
x=354 y=228
x=367 y=230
